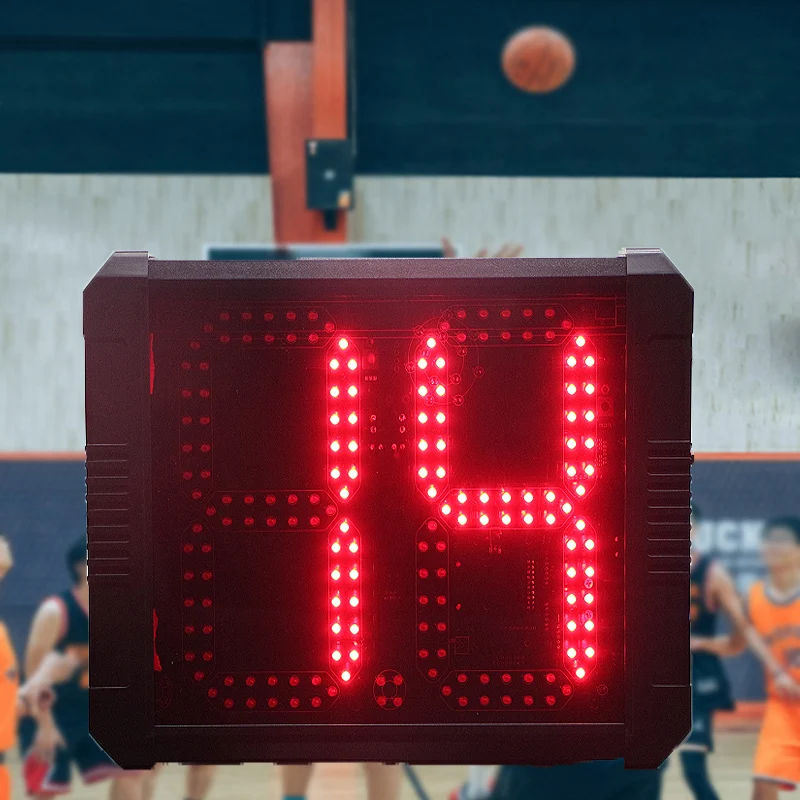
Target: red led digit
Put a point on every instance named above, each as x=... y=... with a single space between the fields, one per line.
x=432 y=456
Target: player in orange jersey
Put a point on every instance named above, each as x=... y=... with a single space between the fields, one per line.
x=774 y=611
x=9 y=680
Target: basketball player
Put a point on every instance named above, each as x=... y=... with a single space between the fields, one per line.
x=599 y=780
x=8 y=684
x=711 y=591
x=60 y=737
x=774 y=610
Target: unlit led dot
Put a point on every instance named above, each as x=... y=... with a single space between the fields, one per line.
x=550 y=519
x=440 y=417
x=571 y=361
x=572 y=471
x=423 y=445
x=580 y=490
x=432 y=492
x=566 y=508
x=431 y=342
x=423 y=418
x=440 y=390
x=527 y=518
x=506 y=519
x=484 y=519
x=462 y=519
x=335 y=419
x=422 y=363
x=343 y=344
x=334 y=363
x=352 y=391
x=441 y=472
x=446 y=509
x=580 y=341
x=589 y=361
x=571 y=388
x=571 y=544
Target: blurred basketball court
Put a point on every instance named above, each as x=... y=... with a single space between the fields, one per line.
x=146 y=131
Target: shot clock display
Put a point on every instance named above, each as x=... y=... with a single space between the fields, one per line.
x=401 y=510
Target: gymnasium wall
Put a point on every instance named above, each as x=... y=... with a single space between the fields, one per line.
x=735 y=240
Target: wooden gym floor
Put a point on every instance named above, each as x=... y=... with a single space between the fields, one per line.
x=730 y=766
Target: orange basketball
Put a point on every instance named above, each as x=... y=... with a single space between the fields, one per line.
x=538 y=59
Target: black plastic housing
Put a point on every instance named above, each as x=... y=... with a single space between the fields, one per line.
x=151 y=325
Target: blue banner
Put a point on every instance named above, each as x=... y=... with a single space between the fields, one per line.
x=42 y=511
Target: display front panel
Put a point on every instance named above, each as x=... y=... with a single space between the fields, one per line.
x=388 y=511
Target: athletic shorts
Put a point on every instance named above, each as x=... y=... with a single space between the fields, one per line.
x=42 y=777
x=598 y=780
x=778 y=752
x=701 y=736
